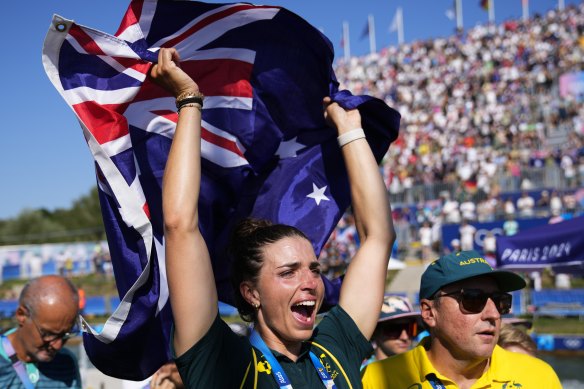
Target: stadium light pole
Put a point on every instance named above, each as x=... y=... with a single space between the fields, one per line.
x=397 y=25
x=491 y=11
x=400 y=30
x=346 y=43
x=525 y=7
x=459 y=15
x=372 y=45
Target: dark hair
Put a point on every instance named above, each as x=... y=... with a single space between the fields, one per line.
x=248 y=240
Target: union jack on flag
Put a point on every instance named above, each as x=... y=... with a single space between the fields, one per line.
x=267 y=151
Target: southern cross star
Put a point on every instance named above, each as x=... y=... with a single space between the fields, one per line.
x=288 y=148
x=318 y=194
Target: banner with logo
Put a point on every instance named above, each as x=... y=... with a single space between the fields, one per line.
x=451 y=231
x=558 y=245
x=552 y=342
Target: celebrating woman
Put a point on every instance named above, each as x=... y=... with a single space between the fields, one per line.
x=276 y=273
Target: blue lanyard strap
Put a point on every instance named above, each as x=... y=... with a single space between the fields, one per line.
x=16 y=363
x=325 y=377
x=435 y=381
x=278 y=372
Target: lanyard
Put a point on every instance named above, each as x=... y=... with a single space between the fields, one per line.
x=435 y=381
x=278 y=372
x=16 y=363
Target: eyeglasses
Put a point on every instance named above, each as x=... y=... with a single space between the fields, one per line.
x=394 y=330
x=48 y=337
x=474 y=300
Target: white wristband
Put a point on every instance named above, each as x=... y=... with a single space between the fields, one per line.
x=350 y=136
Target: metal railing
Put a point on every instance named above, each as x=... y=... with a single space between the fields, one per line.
x=550 y=176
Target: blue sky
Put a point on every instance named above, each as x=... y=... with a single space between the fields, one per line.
x=44 y=160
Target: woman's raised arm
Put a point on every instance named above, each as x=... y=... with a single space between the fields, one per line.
x=191 y=283
x=364 y=283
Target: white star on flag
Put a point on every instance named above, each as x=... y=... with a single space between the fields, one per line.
x=318 y=194
x=288 y=148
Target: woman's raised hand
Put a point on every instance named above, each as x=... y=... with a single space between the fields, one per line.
x=168 y=73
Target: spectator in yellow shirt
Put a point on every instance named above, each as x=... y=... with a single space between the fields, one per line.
x=462 y=299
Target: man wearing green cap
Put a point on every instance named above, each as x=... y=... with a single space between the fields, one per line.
x=462 y=299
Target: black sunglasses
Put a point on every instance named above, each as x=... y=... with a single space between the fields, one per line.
x=394 y=330
x=474 y=300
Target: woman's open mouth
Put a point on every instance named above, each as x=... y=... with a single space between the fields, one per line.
x=304 y=310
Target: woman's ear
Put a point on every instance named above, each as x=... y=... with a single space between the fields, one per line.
x=249 y=293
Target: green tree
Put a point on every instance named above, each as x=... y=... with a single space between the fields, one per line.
x=81 y=222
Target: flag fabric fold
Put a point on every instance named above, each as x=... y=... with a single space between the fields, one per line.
x=266 y=149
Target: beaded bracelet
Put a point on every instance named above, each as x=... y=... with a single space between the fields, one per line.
x=350 y=136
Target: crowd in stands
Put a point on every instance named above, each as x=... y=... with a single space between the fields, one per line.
x=480 y=109
x=486 y=133
x=484 y=125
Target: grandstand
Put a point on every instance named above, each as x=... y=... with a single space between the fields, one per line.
x=485 y=116
x=488 y=133
x=559 y=303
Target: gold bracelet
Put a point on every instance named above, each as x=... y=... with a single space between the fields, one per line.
x=189 y=94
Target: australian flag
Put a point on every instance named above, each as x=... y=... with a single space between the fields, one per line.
x=267 y=151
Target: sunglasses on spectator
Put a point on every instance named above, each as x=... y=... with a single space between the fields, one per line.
x=474 y=300
x=394 y=330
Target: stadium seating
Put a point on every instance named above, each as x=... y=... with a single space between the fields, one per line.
x=518 y=308
x=10 y=272
x=555 y=302
x=50 y=268
x=7 y=308
x=95 y=306
x=114 y=301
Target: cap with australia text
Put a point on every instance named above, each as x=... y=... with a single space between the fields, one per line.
x=463 y=265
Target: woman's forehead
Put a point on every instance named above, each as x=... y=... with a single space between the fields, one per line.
x=289 y=249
